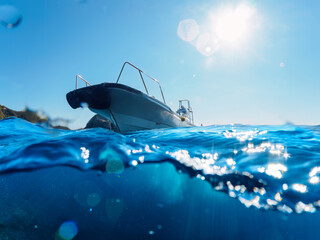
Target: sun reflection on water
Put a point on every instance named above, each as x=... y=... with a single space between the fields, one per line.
x=226 y=167
x=300 y=187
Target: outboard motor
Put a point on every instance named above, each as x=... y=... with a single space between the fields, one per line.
x=182 y=111
x=185 y=113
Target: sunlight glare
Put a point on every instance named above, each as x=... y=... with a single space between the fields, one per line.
x=207 y=44
x=233 y=24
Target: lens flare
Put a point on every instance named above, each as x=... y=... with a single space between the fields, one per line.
x=68 y=230
x=188 y=30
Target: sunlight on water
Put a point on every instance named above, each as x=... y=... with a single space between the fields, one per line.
x=9 y=16
x=300 y=187
x=314 y=180
x=85 y=153
x=134 y=163
x=302 y=207
x=267 y=167
x=276 y=170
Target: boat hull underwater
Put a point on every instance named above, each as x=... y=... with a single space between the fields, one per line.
x=129 y=109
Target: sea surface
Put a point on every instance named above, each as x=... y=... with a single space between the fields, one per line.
x=215 y=182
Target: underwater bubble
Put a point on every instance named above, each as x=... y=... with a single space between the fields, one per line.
x=188 y=30
x=282 y=64
x=68 y=230
x=207 y=44
x=93 y=199
x=9 y=16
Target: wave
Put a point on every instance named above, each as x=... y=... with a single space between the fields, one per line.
x=267 y=167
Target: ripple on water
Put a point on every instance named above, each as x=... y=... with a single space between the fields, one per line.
x=267 y=167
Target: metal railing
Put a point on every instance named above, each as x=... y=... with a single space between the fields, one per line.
x=78 y=76
x=144 y=84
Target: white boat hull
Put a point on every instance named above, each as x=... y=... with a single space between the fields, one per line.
x=129 y=109
x=132 y=112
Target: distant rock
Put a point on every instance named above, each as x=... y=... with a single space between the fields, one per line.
x=28 y=115
x=37 y=117
x=102 y=122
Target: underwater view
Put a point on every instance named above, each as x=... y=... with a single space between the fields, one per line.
x=215 y=182
x=148 y=119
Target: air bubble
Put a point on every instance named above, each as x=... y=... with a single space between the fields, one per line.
x=9 y=16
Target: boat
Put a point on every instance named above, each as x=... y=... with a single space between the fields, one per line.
x=128 y=108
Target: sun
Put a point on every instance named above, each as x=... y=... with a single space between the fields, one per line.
x=233 y=24
x=227 y=28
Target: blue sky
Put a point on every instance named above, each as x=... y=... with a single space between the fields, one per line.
x=268 y=73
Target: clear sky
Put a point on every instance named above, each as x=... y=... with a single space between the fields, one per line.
x=249 y=62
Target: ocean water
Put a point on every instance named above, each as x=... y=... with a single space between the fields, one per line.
x=215 y=182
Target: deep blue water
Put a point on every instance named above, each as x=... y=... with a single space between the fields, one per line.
x=216 y=182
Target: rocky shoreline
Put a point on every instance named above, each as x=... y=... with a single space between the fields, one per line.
x=96 y=121
x=26 y=114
